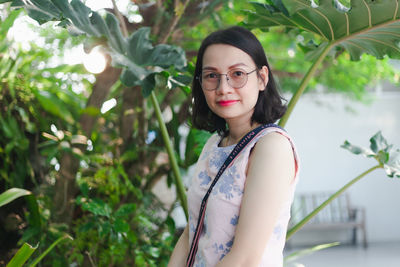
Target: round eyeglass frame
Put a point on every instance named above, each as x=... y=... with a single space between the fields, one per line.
x=227 y=80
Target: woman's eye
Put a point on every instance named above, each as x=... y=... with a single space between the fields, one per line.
x=238 y=73
x=211 y=75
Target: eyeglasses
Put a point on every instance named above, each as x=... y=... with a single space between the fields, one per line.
x=236 y=78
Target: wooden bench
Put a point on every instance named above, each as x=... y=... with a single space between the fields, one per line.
x=339 y=214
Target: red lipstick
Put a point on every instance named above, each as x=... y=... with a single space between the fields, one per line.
x=225 y=103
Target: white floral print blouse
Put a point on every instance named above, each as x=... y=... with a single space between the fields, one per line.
x=223 y=205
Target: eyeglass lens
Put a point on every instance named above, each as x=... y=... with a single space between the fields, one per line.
x=236 y=78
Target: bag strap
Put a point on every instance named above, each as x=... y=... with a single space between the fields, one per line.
x=235 y=152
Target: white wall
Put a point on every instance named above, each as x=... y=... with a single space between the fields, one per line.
x=320 y=124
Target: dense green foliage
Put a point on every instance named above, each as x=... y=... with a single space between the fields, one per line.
x=93 y=172
x=117 y=220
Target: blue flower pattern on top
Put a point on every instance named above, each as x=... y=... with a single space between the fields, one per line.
x=219 y=159
x=223 y=249
x=200 y=262
x=234 y=220
x=226 y=184
x=192 y=227
x=205 y=178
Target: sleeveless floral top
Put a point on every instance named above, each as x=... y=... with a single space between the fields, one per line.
x=223 y=207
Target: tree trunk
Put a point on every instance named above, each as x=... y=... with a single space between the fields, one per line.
x=65 y=188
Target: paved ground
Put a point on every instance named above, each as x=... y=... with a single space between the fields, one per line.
x=376 y=255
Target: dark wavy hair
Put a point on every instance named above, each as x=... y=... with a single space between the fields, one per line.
x=269 y=107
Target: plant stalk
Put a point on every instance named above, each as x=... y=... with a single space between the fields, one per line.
x=300 y=224
x=303 y=85
x=174 y=164
x=55 y=243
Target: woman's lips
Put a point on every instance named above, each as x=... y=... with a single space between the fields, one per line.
x=225 y=103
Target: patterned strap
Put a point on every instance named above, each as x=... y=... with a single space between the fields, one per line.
x=235 y=152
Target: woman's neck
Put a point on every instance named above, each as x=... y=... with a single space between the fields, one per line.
x=237 y=131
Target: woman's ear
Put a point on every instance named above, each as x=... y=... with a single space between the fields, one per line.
x=263 y=78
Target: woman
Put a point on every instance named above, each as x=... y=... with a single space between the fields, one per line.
x=249 y=208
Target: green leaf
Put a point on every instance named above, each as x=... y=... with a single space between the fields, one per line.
x=378 y=142
x=125 y=210
x=54 y=105
x=140 y=47
x=92 y=111
x=357 y=150
x=171 y=224
x=105 y=228
x=54 y=244
x=121 y=226
x=41 y=11
x=141 y=54
x=384 y=153
x=166 y=55
x=11 y=194
x=84 y=187
x=370 y=27
x=34 y=214
x=148 y=84
x=383 y=157
x=194 y=145
x=129 y=155
x=97 y=207
x=392 y=167
x=21 y=256
x=154 y=252
x=7 y=23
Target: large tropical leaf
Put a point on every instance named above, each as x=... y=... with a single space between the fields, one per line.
x=21 y=256
x=368 y=26
x=135 y=54
x=11 y=194
x=385 y=154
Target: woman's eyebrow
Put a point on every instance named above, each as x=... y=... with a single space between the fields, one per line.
x=230 y=67
x=209 y=68
x=237 y=65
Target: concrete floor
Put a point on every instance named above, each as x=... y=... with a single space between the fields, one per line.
x=376 y=255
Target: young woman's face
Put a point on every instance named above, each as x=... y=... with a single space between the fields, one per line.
x=226 y=101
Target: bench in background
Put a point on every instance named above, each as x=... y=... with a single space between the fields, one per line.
x=339 y=214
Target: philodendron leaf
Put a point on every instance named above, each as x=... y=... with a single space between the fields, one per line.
x=392 y=167
x=371 y=27
x=357 y=149
x=135 y=54
x=142 y=58
x=384 y=153
x=378 y=142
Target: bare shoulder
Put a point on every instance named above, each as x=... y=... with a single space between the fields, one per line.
x=274 y=142
x=272 y=151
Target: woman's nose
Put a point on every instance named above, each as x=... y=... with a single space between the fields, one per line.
x=223 y=86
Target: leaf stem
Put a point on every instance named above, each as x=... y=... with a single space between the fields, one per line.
x=121 y=19
x=175 y=20
x=55 y=243
x=300 y=224
x=171 y=155
x=303 y=85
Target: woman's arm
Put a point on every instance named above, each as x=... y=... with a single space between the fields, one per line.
x=270 y=172
x=181 y=250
